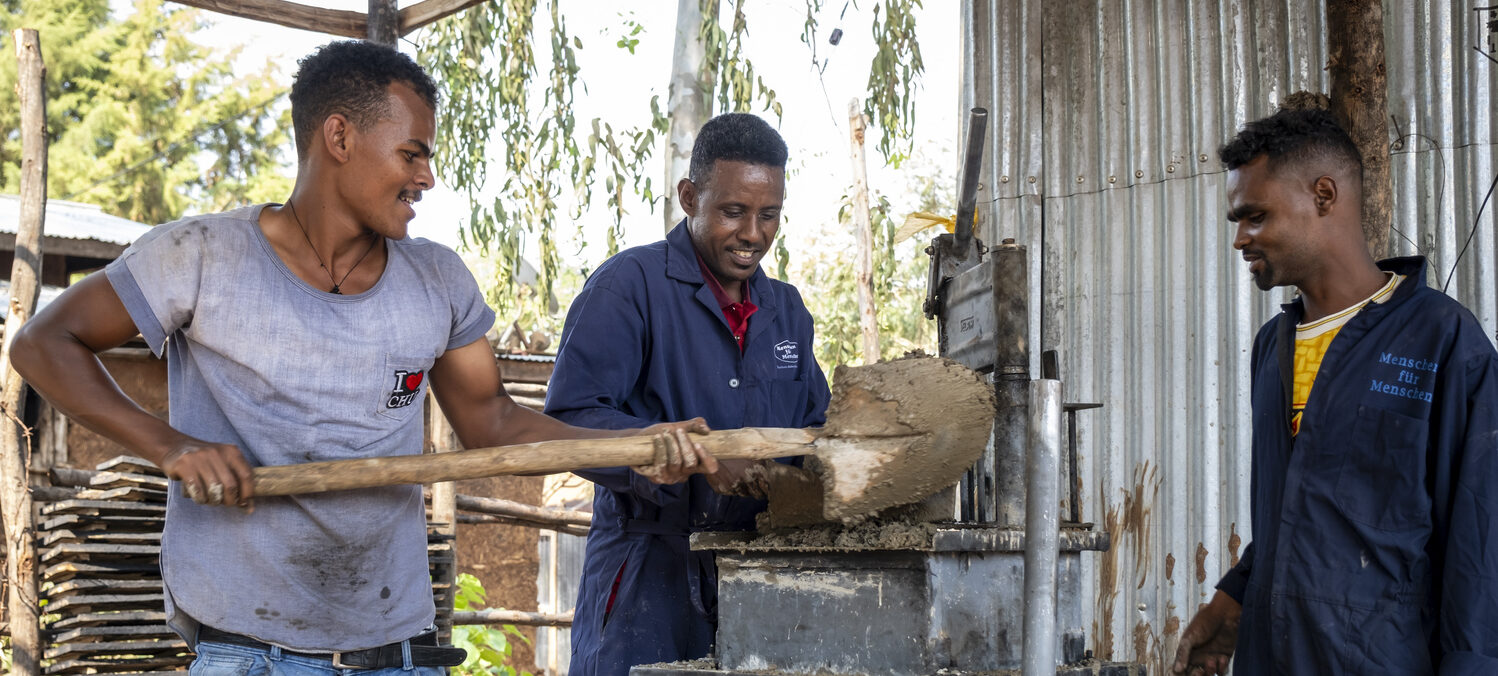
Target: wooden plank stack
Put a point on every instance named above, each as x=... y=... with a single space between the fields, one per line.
x=100 y=553
x=442 y=561
x=99 y=558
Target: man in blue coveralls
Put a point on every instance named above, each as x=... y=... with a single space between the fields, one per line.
x=1375 y=440
x=685 y=327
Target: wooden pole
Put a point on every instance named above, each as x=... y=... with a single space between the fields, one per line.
x=338 y=22
x=863 y=232
x=467 y=519
x=15 y=498
x=688 y=101
x=545 y=517
x=384 y=22
x=520 y=617
x=1360 y=102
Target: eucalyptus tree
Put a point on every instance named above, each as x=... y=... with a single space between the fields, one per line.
x=509 y=94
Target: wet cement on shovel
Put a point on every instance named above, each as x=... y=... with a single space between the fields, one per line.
x=896 y=432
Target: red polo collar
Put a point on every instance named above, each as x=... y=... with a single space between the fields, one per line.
x=737 y=314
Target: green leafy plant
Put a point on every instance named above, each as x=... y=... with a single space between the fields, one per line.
x=826 y=279
x=489 y=648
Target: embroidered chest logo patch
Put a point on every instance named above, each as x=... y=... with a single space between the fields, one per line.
x=407 y=386
x=787 y=352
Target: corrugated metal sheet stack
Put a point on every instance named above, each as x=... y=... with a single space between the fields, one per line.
x=99 y=558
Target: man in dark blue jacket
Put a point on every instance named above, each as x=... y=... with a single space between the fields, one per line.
x=686 y=327
x=1375 y=440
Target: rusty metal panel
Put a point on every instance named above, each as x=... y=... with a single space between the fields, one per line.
x=1117 y=109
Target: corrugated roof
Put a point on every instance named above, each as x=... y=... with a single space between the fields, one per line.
x=533 y=358
x=49 y=293
x=73 y=220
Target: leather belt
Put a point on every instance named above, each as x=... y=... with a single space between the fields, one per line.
x=425 y=651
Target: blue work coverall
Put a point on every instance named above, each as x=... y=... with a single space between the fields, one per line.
x=645 y=342
x=1376 y=527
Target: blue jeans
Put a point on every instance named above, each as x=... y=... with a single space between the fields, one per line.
x=225 y=659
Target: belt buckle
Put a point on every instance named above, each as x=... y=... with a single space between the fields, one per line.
x=338 y=662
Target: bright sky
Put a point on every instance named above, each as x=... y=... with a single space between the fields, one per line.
x=619 y=86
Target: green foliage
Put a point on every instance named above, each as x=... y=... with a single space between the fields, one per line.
x=143 y=121
x=525 y=306
x=730 y=73
x=487 y=61
x=828 y=285
x=498 y=103
x=896 y=69
x=894 y=73
x=630 y=40
x=503 y=116
x=826 y=278
x=489 y=649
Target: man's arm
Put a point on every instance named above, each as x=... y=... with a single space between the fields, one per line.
x=56 y=353
x=1207 y=645
x=468 y=386
x=1467 y=429
x=598 y=364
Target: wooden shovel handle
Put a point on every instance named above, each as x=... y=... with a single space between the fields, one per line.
x=544 y=457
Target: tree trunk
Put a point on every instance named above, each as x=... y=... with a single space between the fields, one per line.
x=1359 y=100
x=688 y=100
x=863 y=232
x=384 y=22
x=15 y=499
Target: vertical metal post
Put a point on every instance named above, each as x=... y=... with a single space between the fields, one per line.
x=1042 y=526
x=1011 y=374
x=972 y=167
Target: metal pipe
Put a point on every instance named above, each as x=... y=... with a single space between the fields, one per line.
x=1011 y=378
x=972 y=166
x=1042 y=527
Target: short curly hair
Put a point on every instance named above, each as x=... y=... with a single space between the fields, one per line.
x=736 y=137
x=351 y=77
x=1294 y=138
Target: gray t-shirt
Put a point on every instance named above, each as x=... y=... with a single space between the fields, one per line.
x=289 y=373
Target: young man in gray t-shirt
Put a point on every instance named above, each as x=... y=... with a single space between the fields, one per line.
x=296 y=333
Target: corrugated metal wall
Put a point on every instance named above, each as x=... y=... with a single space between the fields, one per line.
x=1107 y=116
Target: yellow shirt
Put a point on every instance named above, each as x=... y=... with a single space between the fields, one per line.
x=1311 y=341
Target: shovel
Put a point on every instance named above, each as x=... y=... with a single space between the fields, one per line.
x=896 y=432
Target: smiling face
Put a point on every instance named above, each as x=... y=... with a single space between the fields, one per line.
x=389 y=164
x=733 y=216
x=1278 y=223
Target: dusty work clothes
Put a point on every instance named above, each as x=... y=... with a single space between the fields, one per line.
x=645 y=342
x=1375 y=528
x=289 y=373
